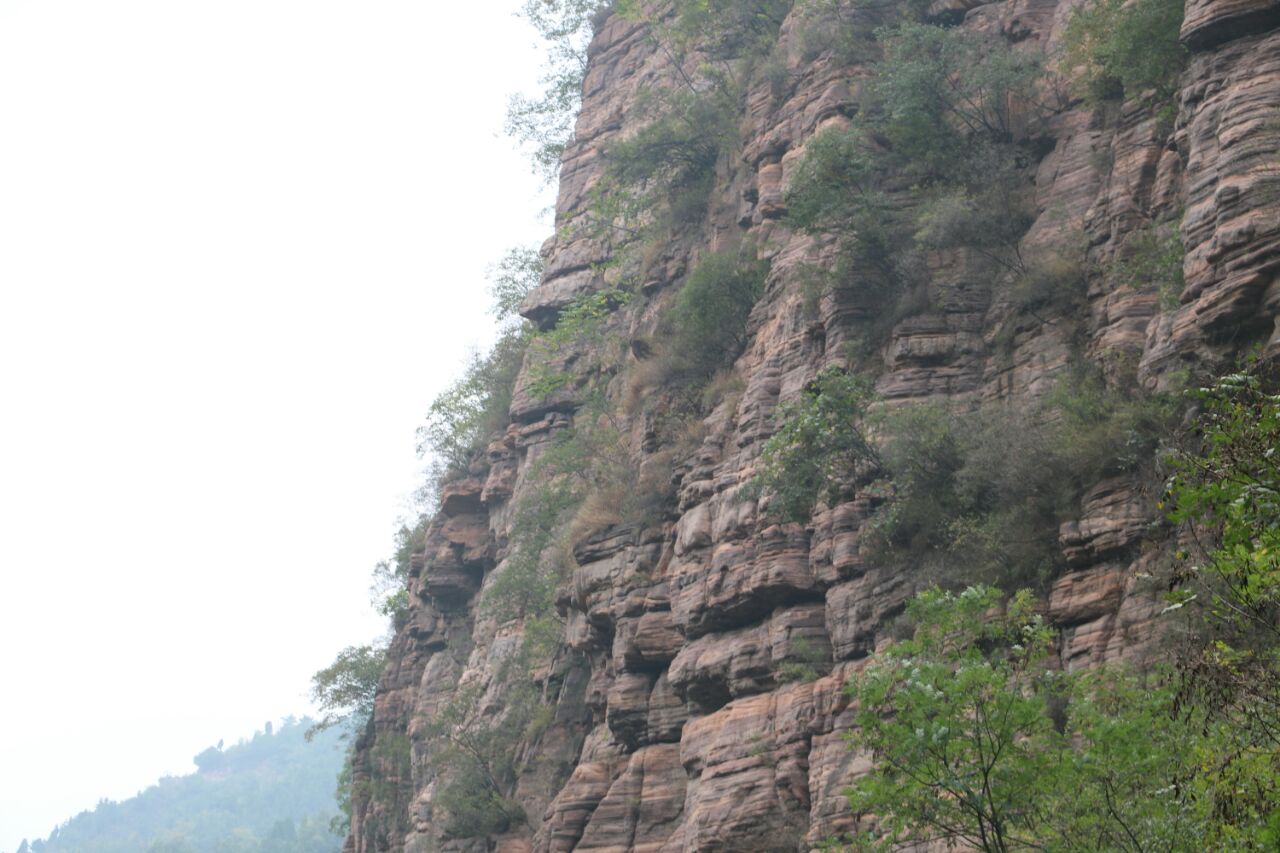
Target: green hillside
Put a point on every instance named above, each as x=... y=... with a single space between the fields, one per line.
x=272 y=793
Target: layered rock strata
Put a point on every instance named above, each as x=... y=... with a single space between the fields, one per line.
x=679 y=724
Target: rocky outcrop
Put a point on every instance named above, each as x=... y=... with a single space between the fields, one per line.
x=698 y=702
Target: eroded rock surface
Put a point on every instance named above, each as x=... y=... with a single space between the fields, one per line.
x=700 y=705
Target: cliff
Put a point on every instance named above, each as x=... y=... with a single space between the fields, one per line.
x=673 y=715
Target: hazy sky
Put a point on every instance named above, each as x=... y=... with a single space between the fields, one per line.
x=242 y=245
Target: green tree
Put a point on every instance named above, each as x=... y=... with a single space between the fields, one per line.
x=1225 y=494
x=976 y=739
x=820 y=448
x=344 y=690
x=1122 y=49
x=960 y=735
x=544 y=123
x=709 y=319
x=940 y=92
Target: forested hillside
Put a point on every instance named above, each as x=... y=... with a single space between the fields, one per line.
x=272 y=793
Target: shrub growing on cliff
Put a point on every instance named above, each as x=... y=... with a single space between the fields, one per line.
x=473 y=756
x=947 y=110
x=707 y=326
x=1152 y=258
x=574 y=348
x=461 y=419
x=980 y=495
x=722 y=30
x=961 y=495
x=1122 y=49
x=664 y=171
x=940 y=92
x=834 y=186
x=970 y=744
x=821 y=447
x=344 y=690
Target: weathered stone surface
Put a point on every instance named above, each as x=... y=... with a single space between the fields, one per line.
x=749 y=761
x=677 y=725
x=715 y=668
x=642 y=807
x=1211 y=22
x=738 y=583
x=1115 y=518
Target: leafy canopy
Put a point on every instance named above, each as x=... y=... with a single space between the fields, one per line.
x=1125 y=48
x=976 y=738
x=820 y=446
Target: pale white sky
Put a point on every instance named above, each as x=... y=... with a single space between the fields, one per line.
x=242 y=245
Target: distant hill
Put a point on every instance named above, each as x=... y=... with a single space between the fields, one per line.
x=273 y=793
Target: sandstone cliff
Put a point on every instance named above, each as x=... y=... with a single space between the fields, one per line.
x=672 y=725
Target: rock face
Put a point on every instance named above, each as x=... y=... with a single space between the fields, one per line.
x=699 y=705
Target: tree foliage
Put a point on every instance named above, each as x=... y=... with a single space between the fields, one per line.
x=939 y=93
x=821 y=447
x=344 y=690
x=1226 y=495
x=1122 y=49
x=463 y=417
x=952 y=111
x=544 y=122
x=708 y=322
x=976 y=738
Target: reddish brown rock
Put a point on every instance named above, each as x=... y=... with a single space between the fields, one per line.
x=676 y=725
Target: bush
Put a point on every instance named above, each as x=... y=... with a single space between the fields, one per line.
x=475 y=406
x=473 y=756
x=723 y=29
x=941 y=110
x=580 y=329
x=1225 y=493
x=1152 y=258
x=970 y=744
x=980 y=496
x=390 y=577
x=988 y=212
x=1125 y=48
x=708 y=323
x=461 y=420
x=964 y=496
x=938 y=92
x=1052 y=283
x=667 y=167
x=821 y=447
x=834 y=187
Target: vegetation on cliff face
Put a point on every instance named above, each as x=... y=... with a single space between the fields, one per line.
x=977 y=738
x=937 y=162
x=543 y=123
x=272 y=793
x=954 y=112
x=1183 y=757
x=959 y=495
x=1125 y=49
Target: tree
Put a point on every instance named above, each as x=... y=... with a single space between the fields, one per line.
x=1225 y=494
x=344 y=689
x=1123 y=49
x=820 y=447
x=975 y=738
x=544 y=123
x=959 y=735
